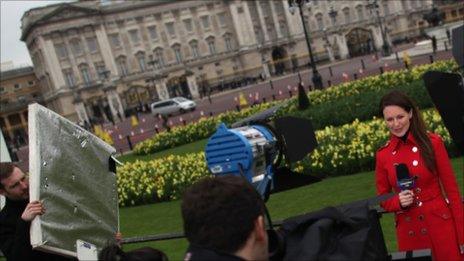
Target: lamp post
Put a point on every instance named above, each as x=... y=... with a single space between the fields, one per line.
x=316 y=79
x=386 y=49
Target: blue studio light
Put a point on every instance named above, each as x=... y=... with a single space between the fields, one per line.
x=247 y=151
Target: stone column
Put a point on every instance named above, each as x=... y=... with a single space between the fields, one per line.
x=8 y=127
x=52 y=63
x=193 y=86
x=377 y=34
x=23 y=120
x=275 y=19
x=266 y=72
x=80 y=110
x=294 y=23
x=329 y=51
x=114 y=101
x=342 y=46
x=105 y=50
x=242 y=23
x=162 y=89
x=261 y=21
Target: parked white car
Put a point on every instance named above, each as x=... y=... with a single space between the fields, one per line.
x=172 y=106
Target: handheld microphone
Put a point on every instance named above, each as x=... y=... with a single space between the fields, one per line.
x=404 y=180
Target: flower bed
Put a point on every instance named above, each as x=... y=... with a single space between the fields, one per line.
x=334 y=106
x=342 y=150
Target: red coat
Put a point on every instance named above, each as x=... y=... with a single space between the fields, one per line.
x=430 y=222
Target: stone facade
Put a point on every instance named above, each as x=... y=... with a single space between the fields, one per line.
x=97 y=60
x=18 y=88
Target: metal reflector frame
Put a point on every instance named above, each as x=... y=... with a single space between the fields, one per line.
x=70 y=173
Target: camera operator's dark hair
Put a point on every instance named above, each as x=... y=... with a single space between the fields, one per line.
x=114 y=252
x=6 y=168
x=219 y=213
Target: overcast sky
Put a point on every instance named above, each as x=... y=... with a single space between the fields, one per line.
x=13 y=49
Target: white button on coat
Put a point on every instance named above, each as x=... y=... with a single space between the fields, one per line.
x=415 y=163
x=414 y=149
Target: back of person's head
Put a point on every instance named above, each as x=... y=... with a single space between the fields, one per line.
x=6 y=168
x=114 y=252
x=219 y=213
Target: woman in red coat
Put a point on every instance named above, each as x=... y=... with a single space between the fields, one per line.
x=430 y=215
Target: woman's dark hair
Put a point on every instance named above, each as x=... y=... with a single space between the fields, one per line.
x=114 y=252
x=417 y=125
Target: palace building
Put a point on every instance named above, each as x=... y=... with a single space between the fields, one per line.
x=98 y=60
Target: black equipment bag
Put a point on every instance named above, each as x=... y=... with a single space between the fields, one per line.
x=348 y=232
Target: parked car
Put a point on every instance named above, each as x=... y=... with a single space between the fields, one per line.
x=172 y=106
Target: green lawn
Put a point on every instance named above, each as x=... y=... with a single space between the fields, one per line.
x=165 y=217
x=196 y=146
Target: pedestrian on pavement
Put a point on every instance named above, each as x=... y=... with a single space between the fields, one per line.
x=434 y=44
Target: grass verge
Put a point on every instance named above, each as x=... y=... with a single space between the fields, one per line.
x=196 y=146
x=165 y=217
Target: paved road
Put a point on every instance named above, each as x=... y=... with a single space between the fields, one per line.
x=283 y=87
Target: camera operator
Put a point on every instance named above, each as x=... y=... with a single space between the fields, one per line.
x=16 y=216
x=224 y=220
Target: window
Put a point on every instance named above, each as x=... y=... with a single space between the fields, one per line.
x=386 y=9
x=188 y=25
x=152 y=32
x=404 y=4
x=334 y=20
x=92 y=44
x=84 y=69
x=30 y=83
x=2 y=89
x=194 y=47
x=346 y=14
x=177 y=53
x=141 y=61
x=122 y=66
x=205 y=21
x=222 y=19
x=69 y=77
x=17 y=86
x=320 y=21
x=228 y=42
x=170 y=29
x=134 y=36
x=114 y=40
x=61 y=50
x=359 y=10
x=76 y=47
x=159 y=58
x=100 y=67
x=211 y=45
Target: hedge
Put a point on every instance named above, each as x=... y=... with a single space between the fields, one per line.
x=334 y=106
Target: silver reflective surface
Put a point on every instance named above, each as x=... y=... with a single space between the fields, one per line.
x=69 y=170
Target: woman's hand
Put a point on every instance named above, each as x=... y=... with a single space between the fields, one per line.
x=406 y=198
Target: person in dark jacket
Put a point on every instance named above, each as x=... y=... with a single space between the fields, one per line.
x=224 y=220
x=16 y=216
